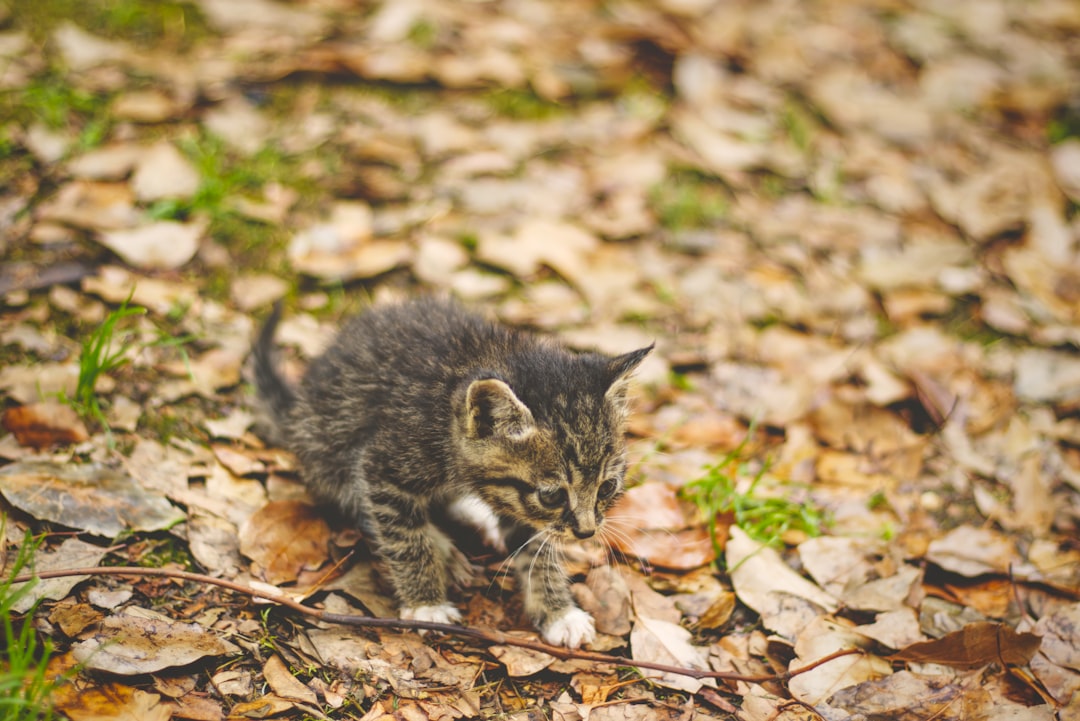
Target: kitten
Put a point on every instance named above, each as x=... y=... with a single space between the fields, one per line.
x=421 y=408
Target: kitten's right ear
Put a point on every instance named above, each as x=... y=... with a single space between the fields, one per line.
x=492 y=409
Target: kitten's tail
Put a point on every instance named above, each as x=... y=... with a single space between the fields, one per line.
x=275 y=395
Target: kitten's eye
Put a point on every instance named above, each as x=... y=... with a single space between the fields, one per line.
x=607 y=489
x=552 y=497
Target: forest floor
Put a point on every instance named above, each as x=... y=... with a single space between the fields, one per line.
x=851 y=227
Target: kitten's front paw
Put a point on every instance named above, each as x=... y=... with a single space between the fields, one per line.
x=444 y=613
x=572 y=629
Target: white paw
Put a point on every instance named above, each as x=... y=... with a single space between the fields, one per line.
x=572 y=629
x=474 y=511
x=445 y=613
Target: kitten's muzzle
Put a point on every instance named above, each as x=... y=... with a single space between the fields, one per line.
x=583 y=533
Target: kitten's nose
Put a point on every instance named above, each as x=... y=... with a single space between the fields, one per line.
x=584 y=533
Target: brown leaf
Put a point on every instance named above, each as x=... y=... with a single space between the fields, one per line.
x=284 y=538
x=285 y=684
x=976 y=644
x=650 y=522
x=72 y=618
x=112 y=702
x=41 y=425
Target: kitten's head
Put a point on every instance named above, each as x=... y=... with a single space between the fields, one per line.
x=551 y=453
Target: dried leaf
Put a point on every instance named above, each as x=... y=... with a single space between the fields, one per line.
x=521 y=662
x=285 y=684
x=162 y=245
x=664 y=642
x=976 y=644
x=131 y=645
x=42 y=425
x=72 y=553
x=90 y=497
x=283 y=539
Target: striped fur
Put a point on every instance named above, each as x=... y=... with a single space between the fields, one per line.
x=421 y=404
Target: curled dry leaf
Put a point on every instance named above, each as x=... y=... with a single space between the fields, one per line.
x=284 y=538
x=286 y=685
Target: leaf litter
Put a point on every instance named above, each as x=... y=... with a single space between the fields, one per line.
x=851 y=228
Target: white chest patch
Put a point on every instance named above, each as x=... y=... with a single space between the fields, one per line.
x=475 y=511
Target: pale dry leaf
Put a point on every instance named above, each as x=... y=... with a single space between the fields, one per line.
x=252 y=291
x=72 y=553
x=902 y=695
x=820 y=638
x=236 y=120
x=144 y=106
x=129 y=645
x=233 y=426
x=838 y=563
x=92 y=205
x=609 y=600
x=214 y=542
x=1060 y=633
x=82 y=50
x=116 y=284
x=162 y=171
x=30 y=384
x=521 y=662
x=161 y=245
x=110 y=162
x=1047 y=376
x=895 y=629
x=973 y=551
x=89 y=497
x=664 y=642
x=757 y=572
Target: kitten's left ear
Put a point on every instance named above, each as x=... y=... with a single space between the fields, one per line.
x=492 y=409
x=619 y=369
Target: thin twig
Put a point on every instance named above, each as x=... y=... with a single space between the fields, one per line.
x=490 y=636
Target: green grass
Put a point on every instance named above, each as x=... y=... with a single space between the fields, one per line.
x=521 y=104
x=101 y=354
x=143 y=22
x=24 y=685
x=688 y=200
x=764 y=517
x=53 y=101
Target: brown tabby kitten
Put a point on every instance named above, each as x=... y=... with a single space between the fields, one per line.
x=422 y=408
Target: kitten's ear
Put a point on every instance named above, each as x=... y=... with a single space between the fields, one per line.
x=619 y=369
x=492 y=409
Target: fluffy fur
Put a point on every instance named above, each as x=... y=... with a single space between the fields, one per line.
x=422 y=408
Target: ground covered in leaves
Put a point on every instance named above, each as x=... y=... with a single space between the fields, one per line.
x=851 y=227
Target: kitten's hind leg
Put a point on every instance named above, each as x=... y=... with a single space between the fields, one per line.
x=414 y=551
